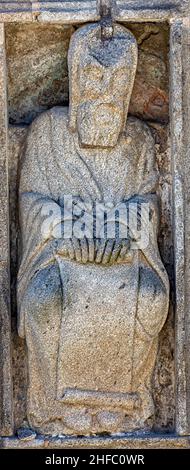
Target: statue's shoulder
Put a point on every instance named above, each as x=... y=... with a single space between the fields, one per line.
x=138 y=131
x=59 y=113
x=45 y=132
x=47 y=119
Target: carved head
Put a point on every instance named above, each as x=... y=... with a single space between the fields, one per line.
x=101 y=73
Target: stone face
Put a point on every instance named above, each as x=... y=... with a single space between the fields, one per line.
x=39 y=54
x=90 y=368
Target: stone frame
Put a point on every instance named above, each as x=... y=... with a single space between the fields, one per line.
x=177 y=14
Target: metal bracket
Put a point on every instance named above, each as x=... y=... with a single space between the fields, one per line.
x=105 y=10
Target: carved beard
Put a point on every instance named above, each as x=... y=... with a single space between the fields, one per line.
x=99 y=124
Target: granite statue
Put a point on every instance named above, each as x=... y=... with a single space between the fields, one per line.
x=91 y=308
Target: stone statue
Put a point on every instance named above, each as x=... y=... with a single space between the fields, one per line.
x=90 y=308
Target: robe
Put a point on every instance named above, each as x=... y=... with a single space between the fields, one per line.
x=100 y=323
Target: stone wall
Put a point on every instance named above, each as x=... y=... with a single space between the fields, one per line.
x=38 y=80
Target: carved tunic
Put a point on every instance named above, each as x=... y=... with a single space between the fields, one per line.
x=91 y=330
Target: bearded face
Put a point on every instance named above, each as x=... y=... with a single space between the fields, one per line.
x=101 y=114
x=104 y=82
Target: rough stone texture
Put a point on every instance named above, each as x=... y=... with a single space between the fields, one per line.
x=19 y=353
x=74 y=11
x=185 y=163
x=153 y=44
x=164 y=389
x=39 y=55
x=179 y=50
x=90 y=368
x=71 y=11
x=6 y=423
x=140 y=10
x=67 y=12
x=163 y=382
x=16 y=10
x=151 y=89
x=146 y=441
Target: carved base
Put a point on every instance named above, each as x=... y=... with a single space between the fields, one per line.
x=90 y=412
x=128 y=441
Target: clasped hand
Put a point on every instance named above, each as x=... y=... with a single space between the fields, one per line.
x=100 y=251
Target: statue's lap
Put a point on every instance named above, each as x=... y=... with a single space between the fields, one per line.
x=96 y=352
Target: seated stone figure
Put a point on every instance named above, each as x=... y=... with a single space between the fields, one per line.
x=90 y=309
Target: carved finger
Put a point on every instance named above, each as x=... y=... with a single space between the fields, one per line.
x=77 y=249
x=84 y=250
x=124 y=248
x=70 y=249
x=91 y=250
x=108 y=251
x=62 y=248
x=116 y=251
x=100 y=250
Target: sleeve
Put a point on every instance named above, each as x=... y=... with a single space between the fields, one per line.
x=147 y=169
x=146 y=187
x=37 y=209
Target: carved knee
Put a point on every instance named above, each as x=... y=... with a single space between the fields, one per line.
x=152 y=302
x=43 y=297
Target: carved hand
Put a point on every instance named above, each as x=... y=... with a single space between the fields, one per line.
x=110 y=251
x=99 y=251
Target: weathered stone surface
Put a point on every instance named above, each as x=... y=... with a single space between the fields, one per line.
x=37 y=69
x=155 y=44
x=19 y=354
x=26 y=434
x=153 y=106
x=6 y=414
x=90 y=369
x=164 y=377
x=163 y=384
x=150 y=93
x=140 y=10
x=74 y=11
x=16 y=10
x=185 y=164
x=179 y=50
x=69 y=11
x=38 y=55
x=144 y=441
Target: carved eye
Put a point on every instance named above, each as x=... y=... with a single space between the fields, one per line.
x=90 y=82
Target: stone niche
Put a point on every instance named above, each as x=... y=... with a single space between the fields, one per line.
x=37 y=80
